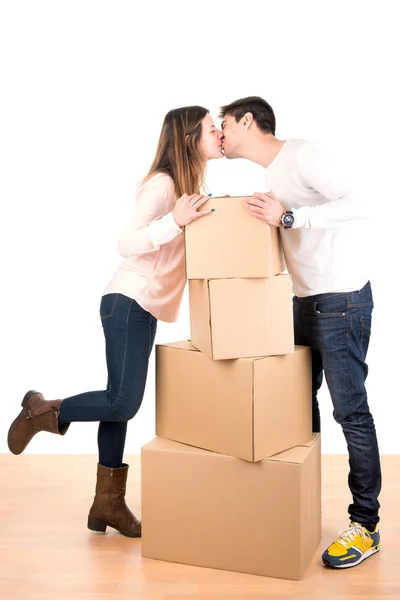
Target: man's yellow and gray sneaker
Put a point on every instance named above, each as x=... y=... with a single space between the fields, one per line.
x=352 y=546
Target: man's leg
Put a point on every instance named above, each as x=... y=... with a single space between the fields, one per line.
x=301 y=318
x=341 y=330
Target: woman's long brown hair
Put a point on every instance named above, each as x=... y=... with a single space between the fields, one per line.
x=179 y=156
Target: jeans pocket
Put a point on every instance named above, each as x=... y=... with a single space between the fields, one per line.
x=107 y=306
x=365 y=333
x=332 y=306
x=366 y=322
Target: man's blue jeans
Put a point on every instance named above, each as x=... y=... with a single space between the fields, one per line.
x=338 y=327
x=129 y=333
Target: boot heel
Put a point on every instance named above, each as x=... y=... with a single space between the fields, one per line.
x=96 y=525
x=27 y=396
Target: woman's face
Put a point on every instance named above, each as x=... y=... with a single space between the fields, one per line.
x=210 y=142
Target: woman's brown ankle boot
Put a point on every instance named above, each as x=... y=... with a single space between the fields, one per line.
x=37 y=414
x=109 y=508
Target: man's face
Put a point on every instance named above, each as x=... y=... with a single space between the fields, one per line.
x=232 y=136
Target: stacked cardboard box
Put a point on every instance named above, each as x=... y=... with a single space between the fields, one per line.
x=233 y=479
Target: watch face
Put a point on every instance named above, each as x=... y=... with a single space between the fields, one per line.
x=288 y=219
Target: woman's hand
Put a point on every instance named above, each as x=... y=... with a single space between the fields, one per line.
x=185 y=209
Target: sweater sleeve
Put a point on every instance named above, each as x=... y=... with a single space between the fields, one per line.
x=151 y=224
x=319 y=172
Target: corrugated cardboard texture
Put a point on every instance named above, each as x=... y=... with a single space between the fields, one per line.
x=248 y=408
x=216 y=511
x=231 y=243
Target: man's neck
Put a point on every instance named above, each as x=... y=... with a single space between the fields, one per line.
x=263 y=149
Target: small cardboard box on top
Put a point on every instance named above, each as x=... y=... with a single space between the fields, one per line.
x=231 y=243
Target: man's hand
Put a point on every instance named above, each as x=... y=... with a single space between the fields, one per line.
x=266 y=207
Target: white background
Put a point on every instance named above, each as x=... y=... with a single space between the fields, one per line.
x=84 y=89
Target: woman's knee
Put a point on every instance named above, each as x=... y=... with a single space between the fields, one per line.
x=123 y=408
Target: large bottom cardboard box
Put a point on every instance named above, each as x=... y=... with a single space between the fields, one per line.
x=211 y=510
x=239 y=318
x=250 y=408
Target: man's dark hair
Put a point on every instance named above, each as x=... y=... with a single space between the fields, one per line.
x=260 y=109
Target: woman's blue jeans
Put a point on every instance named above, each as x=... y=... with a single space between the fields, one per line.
x=129 y=333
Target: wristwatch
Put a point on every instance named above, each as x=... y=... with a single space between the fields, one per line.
x=287 y=219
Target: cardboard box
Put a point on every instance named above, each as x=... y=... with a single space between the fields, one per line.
x=231 y=243
x=211 y=510
x=239 y=318
x=250 y=408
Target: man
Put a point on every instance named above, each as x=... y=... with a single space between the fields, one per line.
x=321 y=224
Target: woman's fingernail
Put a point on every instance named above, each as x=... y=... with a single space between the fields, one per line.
x=212 y=210
x=209 y=194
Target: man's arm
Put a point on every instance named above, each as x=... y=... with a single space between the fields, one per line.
x=320 y=173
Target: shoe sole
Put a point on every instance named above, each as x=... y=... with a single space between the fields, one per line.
x=24 y=401
x=367 y=554
x=98 y=526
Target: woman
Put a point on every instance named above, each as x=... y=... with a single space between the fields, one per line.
x=148 y=286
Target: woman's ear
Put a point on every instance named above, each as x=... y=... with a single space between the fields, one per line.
x=187 y=140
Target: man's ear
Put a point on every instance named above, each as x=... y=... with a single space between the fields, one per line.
x=247 y=120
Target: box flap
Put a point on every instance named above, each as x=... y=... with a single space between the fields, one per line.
x=297 y=454
x=315 y=437
x=159 y=444
x=296 y=349
x=183 y=345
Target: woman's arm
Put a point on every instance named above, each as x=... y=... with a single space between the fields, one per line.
x=150 y=226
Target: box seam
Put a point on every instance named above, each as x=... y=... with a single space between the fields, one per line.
x=209 y=318
x=252 y=412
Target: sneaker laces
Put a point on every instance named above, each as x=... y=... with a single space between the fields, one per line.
x=347 y=535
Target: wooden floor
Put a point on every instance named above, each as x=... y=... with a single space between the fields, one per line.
x=46 y=552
